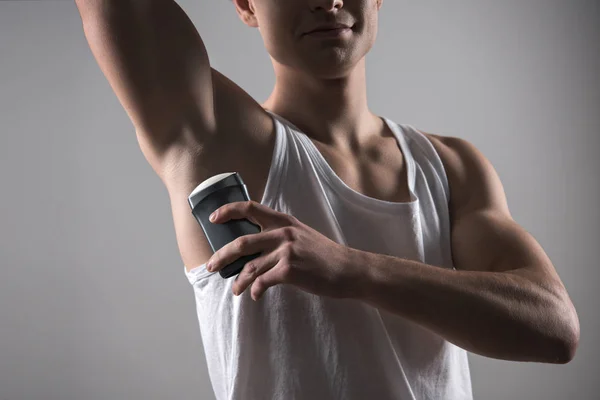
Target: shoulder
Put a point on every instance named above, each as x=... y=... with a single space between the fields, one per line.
x=473 y=180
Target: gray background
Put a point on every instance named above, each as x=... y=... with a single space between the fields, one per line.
x=94 y=303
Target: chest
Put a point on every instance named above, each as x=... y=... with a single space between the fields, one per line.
x=378 y=171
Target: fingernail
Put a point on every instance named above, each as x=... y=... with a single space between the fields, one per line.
x=212 y=216
x=209 y=267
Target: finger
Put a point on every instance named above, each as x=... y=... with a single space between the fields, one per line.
x=274 y=276
x=244 y=245
x=252 y=270
x=256 y=213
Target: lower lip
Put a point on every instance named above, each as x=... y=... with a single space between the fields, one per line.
x=332 y=33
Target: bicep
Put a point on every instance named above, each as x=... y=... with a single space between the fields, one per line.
x=484 y=236
x=155 y=62
x=488 y=240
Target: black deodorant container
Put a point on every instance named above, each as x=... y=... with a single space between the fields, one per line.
x=212 y=194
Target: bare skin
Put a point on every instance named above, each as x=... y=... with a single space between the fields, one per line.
x=329 y=104
x=182 y=110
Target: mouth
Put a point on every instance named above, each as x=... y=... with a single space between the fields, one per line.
x=330 y=32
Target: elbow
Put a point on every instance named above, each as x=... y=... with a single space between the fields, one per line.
x=567 y=347
x=568 y=342
x=565 y=353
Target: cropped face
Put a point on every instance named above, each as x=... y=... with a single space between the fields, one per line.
x=284 y=27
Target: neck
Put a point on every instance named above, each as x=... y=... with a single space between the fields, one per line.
x=333 y=111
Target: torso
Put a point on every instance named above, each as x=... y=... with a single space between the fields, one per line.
x=378 y=171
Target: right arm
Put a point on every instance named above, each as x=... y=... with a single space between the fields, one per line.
x=188 y=117
x=157 y=65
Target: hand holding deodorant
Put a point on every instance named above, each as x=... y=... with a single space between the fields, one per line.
x=208 y=196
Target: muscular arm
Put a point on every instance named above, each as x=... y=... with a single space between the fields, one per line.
x=504 y=300
x=157 y=65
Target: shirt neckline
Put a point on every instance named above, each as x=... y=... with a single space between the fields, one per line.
x=336 y=183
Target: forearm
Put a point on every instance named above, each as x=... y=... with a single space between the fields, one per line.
x=499 y=315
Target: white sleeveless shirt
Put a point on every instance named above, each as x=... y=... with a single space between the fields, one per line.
x=293 y=345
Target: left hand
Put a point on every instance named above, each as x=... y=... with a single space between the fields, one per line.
x=292 y=253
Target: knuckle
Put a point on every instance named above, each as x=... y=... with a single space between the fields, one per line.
x=286 y=269
x=240 y=243
x=288 y=233
x=250 y=268
x=287 y=250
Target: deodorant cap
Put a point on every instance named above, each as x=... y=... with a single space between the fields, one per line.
x=213 y=184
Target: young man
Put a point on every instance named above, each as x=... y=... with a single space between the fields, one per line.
x=386 y=252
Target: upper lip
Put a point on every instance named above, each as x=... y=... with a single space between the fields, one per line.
x=326 y=27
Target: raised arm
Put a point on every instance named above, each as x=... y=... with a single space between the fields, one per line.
x=157 y=65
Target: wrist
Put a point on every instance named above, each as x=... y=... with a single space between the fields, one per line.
x=356 y=273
